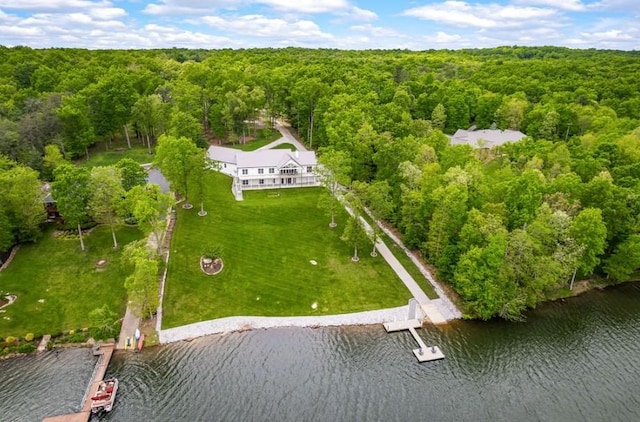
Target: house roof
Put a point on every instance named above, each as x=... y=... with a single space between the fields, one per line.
x=485 y=138
x=261 y=158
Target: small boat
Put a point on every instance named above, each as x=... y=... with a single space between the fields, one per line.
x=140 y=342
x=105 y=396
x=128 y=344
x=137 y=334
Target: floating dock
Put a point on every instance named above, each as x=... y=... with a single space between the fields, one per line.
x=104 y=351
x=423 y=353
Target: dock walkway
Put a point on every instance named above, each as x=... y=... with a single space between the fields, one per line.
x=422 y=353
x=104 y=352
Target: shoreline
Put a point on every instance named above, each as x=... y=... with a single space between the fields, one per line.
x=245 y=323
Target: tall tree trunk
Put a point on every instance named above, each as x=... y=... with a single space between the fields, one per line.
x=355 y=253
x=81 y=240
x=86 y=152
x=573 y=278
x=311 y=132
x=149 y=144
x=126 y=134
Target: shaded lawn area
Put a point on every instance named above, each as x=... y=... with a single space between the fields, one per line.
x=265 y=136
x=268 y=242
x=101 y=155
x=286 y=146
x=56 y=270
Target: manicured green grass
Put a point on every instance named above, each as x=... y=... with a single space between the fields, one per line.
x=285 y=146
x=268 y=243
x=265 y=136
x=57 y=271
x=407 y=263
x=100 y=155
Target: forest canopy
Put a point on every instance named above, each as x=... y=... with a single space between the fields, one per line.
x=505 y=226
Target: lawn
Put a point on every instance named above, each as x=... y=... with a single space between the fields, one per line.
x=269 y=241
x=286 y=146
x=55 y=271
x=103 y=154
x=407 y=263
x=265 y=136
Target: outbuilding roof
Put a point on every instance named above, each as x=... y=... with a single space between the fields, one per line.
x=261 y=158
x=485 y=138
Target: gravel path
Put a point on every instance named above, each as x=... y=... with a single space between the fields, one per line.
x=238 y=323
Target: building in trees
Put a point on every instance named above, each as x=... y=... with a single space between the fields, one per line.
x=265 y=169
x=485 y=138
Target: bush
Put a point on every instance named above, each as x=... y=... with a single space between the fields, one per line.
x=212 y=252
x=77 y=338
x=10 y=340
x=29 y=337
x=26 y=348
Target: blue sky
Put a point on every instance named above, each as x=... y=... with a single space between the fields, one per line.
x=349 y=24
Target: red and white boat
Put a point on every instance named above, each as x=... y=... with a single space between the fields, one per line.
x=105 y=396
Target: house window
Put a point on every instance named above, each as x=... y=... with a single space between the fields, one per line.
x=245 y=182
x=272 y=170
x=225 y=166
x=260 y=171
x=261 y=181
x=245 y=171
x=309 y=169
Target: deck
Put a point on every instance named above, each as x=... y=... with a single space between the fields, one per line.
x=423 y=353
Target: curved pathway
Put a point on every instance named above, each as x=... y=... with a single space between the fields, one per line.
x=287 y=138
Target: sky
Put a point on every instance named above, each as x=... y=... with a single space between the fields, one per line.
x=344 y=24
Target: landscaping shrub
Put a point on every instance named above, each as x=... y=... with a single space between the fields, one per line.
x=26 y=348
x=29 y=337
x=77 y=338
x=10 y=340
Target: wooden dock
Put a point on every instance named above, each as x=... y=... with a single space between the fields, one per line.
x=423 y=353
x=104 y=352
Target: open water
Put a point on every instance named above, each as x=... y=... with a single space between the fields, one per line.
x=577 y=360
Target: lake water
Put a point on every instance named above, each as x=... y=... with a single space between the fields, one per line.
x=577 y=360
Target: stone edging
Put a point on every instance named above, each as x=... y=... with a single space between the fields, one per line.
x=11 y=255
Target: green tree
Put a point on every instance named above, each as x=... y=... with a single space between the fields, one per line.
x=142 y=285
x=439 y=117
x=132 y=173
x=149 y=206
x=176 y=158
x=104 y=323
x=333 y=171
x=625 y=260
x=71 y=191
x=107 y=197
x=52 y=159
x=354 y=231
x=590 y=234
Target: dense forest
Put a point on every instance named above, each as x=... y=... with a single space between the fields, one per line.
x=505 y=227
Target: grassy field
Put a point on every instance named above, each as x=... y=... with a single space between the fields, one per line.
x=58 y=285
x=103 y=155
x=269 y=242
x=265 y=136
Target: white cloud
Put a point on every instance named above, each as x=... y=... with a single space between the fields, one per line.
x=50 y=5
x=442 y=37
x=261 y=26
x=463 y=14
x=572 y=5
x=376 y=31
x=188 y=7
x=307 y=6
x=612 y=35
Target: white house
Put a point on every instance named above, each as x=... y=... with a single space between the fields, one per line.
x=265 y=169
x=485 y=138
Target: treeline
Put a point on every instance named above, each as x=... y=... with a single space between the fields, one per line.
x=505 y=227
